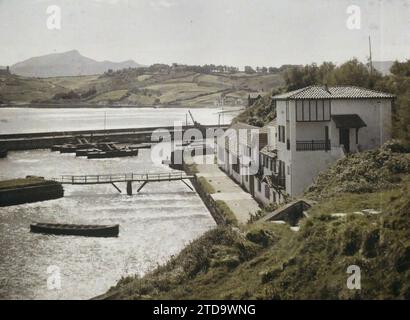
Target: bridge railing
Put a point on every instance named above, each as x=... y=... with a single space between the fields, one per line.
x=111 y=178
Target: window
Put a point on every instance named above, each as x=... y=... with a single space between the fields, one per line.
x=287 y=110
x=306 y=110
x=274 y=196
x=313 y=110
x=281 y=133
x=326 y=112
x=320 y=112
x=235 y=166
x=267 y=192
x=299 y=110
x=249 y=150
x=259 y=185
x=281 y=168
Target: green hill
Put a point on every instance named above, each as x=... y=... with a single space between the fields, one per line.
x=271 y=261
x=141 y=87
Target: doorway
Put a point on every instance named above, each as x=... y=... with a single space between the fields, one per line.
x=252 y=185
x=344 y=135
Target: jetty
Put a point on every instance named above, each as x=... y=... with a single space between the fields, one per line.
x=46 y=140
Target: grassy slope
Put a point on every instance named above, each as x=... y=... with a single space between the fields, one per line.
x=186 y=88
x=269 y=261
x=21 y=183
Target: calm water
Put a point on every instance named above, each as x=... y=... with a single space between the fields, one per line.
x=155 y=224
x=24 y=120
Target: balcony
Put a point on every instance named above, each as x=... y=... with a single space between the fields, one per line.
x=313 y=145
x=278 y=180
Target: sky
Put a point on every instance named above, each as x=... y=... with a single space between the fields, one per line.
x=229 y=32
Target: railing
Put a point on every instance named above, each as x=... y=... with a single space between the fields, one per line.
x=313 y=145
x=111 y=178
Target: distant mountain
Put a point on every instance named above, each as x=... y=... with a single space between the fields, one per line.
x=383 y=66
x=70 y=63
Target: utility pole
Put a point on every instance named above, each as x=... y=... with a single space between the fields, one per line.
x=370 y=56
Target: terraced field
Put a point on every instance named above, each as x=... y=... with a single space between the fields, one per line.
x=172 y=88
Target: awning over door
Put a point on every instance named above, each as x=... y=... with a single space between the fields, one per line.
x=348 y=121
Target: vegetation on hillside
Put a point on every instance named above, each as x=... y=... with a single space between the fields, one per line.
x=270 y=261
x=155 y=85
x=352 y=73
x=363 y=172
x=260 y=113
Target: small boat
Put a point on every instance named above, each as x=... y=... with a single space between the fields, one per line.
x=3 y=153
x=76 y=230
x=68 y=148
x=85 y=152
x=56 y=147
x=112 y=154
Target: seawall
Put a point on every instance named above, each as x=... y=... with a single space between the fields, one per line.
x=20 y=191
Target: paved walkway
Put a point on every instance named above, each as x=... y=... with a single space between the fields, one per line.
x=240 y=202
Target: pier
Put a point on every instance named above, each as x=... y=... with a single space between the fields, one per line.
x=45 y=140
x=128 y=178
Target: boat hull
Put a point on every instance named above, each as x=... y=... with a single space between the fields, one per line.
x=112 y=154
x=3 y=153
x=75 y=230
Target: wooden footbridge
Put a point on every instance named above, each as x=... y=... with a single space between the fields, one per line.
x=128 y=178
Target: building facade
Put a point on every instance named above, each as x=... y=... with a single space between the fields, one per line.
x=315 y=126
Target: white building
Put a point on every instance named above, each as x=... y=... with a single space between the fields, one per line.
x=315 y=126
x=318 y=125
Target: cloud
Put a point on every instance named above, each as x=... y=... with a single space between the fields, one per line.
x=163 y=4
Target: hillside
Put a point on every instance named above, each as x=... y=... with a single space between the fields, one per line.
x=270 y=261
x=140 y=87
x=70 y=63
x=260 y=113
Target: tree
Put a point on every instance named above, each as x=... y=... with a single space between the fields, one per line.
x=352 y=72
x=401 y=69
x=403 y=119
x=249 y=70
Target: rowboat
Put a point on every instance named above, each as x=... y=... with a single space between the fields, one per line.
x=76 y=230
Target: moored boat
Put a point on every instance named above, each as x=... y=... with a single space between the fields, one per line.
x=3 y=153
x=76 y=230
x=112 y=154
x=85 y=152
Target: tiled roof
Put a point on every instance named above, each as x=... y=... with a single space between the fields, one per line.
x=338 y=92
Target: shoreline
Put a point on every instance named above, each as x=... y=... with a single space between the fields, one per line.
x=93 y=106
